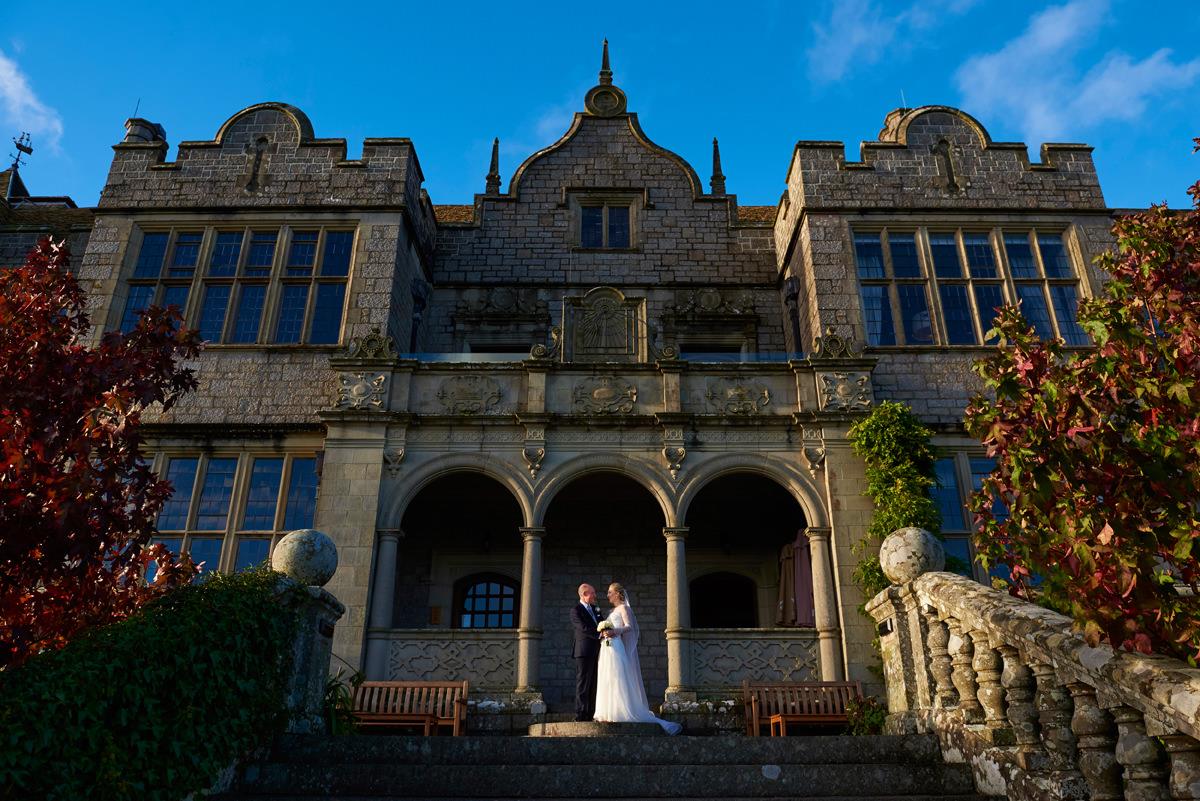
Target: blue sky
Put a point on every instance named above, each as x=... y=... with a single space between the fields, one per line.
x=1122 y=76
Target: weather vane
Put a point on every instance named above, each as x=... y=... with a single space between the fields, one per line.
x=23 y=147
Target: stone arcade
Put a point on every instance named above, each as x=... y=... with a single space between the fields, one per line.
x=607 y=372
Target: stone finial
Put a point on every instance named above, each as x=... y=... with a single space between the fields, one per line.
x=307 y=555
x=718 y=180
x=139 y=131
x=605 y=69
x=910 y=552
x=493 y=176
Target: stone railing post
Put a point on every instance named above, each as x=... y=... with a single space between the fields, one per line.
x=1017 y=680
x=990 y=692
x=1184 y=753
x=1054 y=717
x=939 y=660
x=1141 y=756
x=1096 y=738
x=309 y=558
x=963 y=675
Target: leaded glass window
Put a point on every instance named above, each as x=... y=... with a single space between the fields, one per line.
x=486 y=601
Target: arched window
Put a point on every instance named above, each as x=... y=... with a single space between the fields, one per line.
x=724 y=601
x=486 y=601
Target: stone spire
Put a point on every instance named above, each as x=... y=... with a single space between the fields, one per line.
x=493 y=176
x=718 y=180
x=605 y=69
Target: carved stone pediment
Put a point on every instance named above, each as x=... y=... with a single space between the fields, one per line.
x=604 y=326
x=735 y=396
x=470 y=394
x=604 y=395
x=845 y=392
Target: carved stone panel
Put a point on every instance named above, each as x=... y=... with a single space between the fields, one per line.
x=362 y=390
x=604 y=395
x=845 y=392
x=711 y=300
x=735 y=396
x=604 y=326
x=469 y=394
x=488 y=663
x=726 y=661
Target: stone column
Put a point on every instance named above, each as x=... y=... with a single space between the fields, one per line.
x=529 y=631
x=679 y=615
x=829 y=634
x=383 y=599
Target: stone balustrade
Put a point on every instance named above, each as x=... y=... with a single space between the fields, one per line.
x=1008 y=687
x=722 y=658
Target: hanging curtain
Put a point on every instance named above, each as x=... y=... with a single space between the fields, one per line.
x=795 y=607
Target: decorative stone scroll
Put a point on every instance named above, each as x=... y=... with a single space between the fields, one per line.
x=373 y=346
x=737 y=397
x=674 y=456
x=604 y=395
x=487 y=661
x=771 y=655
x=833 y=346
x=713 y=301
x=813 y=450
x=469 y=394
x=845 y=392
x=533 y=456
x=392 y=457
x=362 y=391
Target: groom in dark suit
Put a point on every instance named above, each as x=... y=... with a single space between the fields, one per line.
x=585 y=616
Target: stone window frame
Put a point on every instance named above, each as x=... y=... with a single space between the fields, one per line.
x=577 y=199
x=932 y=283
x=201 y=280
x=234 y=533
x=464 y=584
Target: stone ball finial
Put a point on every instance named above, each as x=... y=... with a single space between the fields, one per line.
x=908 y=552
x=307 y=555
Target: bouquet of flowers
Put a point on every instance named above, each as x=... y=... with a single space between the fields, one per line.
x=603 y=627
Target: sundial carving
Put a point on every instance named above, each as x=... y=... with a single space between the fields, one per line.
x=605 y=326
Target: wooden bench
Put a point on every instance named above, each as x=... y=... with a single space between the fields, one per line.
x=428 y=704
x=807 y=702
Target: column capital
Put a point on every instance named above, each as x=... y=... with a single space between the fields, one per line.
x=395 y=534
x=532 y=532
x=673 y=533
x=818 y=533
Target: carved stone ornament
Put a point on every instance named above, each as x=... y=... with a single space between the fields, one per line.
x=535 y=431
x=469 y=394
x=734 y=396
x=845 y=392
x=604 y=326
x=501 y=302
x=674 y=455
x=362 y=390
x=533 y=457
x=551 y=351
x=711 y=300
x=373 y=346
x=392 y=457
x=833 y=346
x=813 y=450
x=604 y=395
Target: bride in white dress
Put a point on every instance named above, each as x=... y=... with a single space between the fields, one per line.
x=620 y=694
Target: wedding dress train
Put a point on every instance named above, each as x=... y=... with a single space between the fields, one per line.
x=620 y=693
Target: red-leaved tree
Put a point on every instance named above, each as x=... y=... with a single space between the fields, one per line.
x=1098 y=453
x=77 y=502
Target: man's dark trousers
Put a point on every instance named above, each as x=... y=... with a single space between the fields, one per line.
x=587 y=655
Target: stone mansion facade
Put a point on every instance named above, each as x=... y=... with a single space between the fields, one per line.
x=609 y=370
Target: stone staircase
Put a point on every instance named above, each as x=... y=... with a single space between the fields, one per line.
x=374 y=768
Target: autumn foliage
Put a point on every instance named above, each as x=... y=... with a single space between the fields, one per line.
x=1098 y=452
x=77 y=503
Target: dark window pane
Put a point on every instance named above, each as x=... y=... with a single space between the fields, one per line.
x=946 y=496
x=591 y=233
x=251 y=553
x=249 y=313
x=263 y=496
x=207 y=550
x=493 y=621
x=182 y=475
x=1033 y=306
x=187 y=253
x=877 y=314
x=466 y=621
x=1020 y=256
x=914 y=313
x=981 y=259
x=327 y=314
x=302 y=495
x=150 y=257
x=1054 y=256
x=262 y=253
x=981 y=468
x=869 y=254
x=303 y=253
x=904 y=256
x=175 y=296
x=139 y=298
x=957 y=311
x=945 y=256
x=988 y=298
x=215 y=492
x=226 y=251
x=1066 y=305
x=338 y=245
x=959 y=549
x=618 y=226
x=291 y=313
x=212 y=312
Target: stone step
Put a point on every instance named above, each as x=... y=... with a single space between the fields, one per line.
x=682 y=750
x=252 y=797
x=612 y=777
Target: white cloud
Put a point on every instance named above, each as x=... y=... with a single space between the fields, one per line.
x=21 y=108
x=1032 y=79
x=859 y=33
